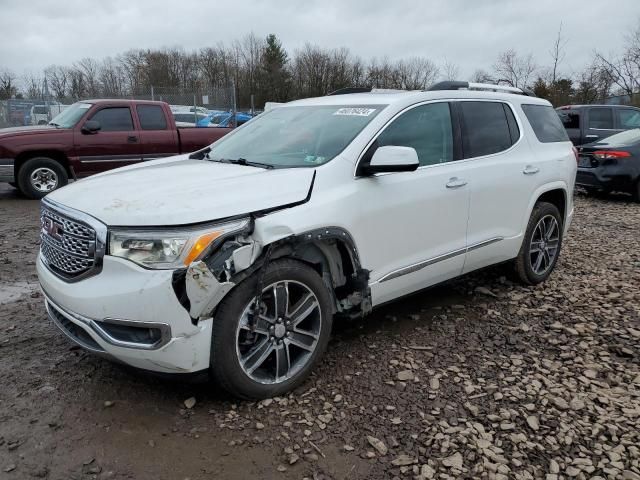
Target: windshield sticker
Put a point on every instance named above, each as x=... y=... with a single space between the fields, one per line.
x=356 y=111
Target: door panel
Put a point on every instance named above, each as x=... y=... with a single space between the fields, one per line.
x=157 y=139
x=411 y=226
x=117 y=143
x=413 y=229
x=501 y=183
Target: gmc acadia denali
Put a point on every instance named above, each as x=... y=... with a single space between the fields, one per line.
x=235 y=259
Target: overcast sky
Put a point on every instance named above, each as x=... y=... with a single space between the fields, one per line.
x=469 y=33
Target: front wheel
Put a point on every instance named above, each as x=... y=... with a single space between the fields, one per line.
x=41 y=175
x=265 y=350
x=541 y=245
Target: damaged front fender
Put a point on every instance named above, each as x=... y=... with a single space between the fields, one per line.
x=204 y=290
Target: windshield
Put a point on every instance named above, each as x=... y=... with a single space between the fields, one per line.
x=628 y=137
x=70 y=116
x=303 y=136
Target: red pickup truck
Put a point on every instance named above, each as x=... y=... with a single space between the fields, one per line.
x=93 y=136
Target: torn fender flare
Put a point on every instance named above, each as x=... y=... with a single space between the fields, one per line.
x=204 y=290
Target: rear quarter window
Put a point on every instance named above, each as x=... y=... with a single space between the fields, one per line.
x=545 y=123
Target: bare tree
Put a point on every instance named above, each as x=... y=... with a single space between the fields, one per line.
x=557 y=54
x=33 y=85
x=90 y=69
x=482 y=76
x=450 y=71
x=57 y=77
x=624 y=70
x=514 y=70
x=7 y=84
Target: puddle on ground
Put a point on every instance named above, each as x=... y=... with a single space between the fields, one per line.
x=10 y=292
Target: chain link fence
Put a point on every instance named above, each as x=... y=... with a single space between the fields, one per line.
x=187 y=105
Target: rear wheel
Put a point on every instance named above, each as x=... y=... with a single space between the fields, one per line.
x=266 y=351
x=41 y=175
x=541 y=245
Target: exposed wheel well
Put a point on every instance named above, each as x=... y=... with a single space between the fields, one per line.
x=557 y=197
x=56 y=155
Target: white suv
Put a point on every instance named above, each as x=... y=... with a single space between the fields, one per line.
x=235 y=259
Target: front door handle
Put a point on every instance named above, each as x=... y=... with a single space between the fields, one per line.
x=530 y=170
x=591 y=136
x=132 y=139
x=455 y=182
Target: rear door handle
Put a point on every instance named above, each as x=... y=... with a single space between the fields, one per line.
x=530 y=170
x=455 y=182
x=132 y=139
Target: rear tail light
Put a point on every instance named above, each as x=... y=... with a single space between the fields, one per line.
x=575 y=154
x=609 y=154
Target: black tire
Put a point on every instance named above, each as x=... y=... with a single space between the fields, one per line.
x=47 y=165
x=225 y=365
x=523 y=264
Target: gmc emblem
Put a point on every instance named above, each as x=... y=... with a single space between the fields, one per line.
x=53 y=229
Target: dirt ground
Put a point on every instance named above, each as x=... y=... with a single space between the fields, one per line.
x=479 y=378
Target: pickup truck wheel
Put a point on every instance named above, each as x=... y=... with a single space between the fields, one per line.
x=541 y=245
x=273 y=351
x=41 y=175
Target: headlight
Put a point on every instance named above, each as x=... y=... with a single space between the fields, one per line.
x=168 y=248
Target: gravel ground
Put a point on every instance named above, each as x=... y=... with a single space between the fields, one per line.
x=480 y=378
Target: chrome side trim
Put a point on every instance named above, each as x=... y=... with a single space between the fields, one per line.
x=89 y=323
x=440 y=258
x=484 y=243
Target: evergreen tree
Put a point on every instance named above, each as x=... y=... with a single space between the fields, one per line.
x=275 y=78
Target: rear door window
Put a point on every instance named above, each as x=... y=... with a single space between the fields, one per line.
x=485 y=128
x=628 y=118
x=151 y=117
x=601 y=118
x=545 y=123
x=114 y=119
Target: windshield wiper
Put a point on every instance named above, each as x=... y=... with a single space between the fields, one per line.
x=245 y=162
x=54 y=124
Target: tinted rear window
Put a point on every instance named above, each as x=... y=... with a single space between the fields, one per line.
x=545 y=123
x=151 y=117
x=486 y=128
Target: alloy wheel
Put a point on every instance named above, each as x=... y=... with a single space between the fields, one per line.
x=544 y=244
x=275 y=342
x=44 y=180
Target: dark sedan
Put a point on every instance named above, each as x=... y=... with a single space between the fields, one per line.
x=612 y=164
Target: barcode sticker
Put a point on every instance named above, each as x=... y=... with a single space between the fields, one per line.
x=357 y=111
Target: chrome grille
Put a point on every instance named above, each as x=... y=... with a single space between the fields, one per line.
x=67 y=245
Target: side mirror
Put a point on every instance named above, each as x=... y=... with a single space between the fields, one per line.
x=392 y=158
x=90 y=127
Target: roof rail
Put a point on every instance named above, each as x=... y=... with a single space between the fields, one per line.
x=347 y=90
x=456 y=85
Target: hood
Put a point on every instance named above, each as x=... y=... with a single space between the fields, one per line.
x=180 y=191
x=13 y=131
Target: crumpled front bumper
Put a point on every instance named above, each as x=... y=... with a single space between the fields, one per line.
x=124 y=296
